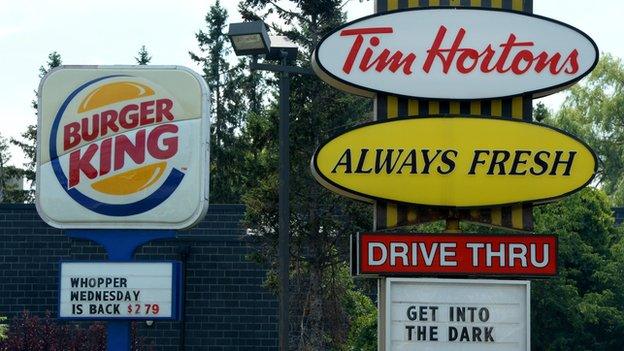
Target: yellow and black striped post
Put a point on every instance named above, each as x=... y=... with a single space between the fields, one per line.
x=392 y=215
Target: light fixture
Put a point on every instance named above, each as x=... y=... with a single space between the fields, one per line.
x=249 y=38
x=282 y=48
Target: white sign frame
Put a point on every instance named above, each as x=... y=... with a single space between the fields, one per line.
x=385 y=303
x=176 y=211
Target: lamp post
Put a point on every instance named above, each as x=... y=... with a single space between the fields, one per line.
x=251 y=38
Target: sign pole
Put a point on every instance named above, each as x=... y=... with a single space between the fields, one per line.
x=284 y=207
x=452 y=226
x=118 y=332
x=120 y=245
x=117 y=336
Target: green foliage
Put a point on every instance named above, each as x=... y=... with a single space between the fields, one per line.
x=28 y=142
x=4 y=328
x=541 y=112
x=582 y=308
x=10 y=176
x=321 y=221
x=363 y=313
x=144 y=57
x=234 y=96
x=594 y=111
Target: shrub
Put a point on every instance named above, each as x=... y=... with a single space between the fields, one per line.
x=3 y=328
x=33 y=333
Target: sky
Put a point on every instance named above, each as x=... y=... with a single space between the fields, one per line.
x=111 y=32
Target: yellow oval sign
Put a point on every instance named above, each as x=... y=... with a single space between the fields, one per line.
x=459 y=162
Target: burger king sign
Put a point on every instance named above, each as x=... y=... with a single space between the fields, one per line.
x=122 y=147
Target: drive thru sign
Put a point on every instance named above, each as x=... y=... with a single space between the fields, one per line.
x=453 y=254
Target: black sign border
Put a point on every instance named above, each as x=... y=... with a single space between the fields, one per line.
x=361 y=90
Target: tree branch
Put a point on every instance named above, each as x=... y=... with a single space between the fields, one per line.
x=290 y=13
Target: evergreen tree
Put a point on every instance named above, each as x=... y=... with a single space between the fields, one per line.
x=28 y=142
x=229 y=106
x=9 y=175
x=320 y=221
x=144 y=57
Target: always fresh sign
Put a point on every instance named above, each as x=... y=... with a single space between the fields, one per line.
x=454 y=53
x=457 y=162
x=122 y=147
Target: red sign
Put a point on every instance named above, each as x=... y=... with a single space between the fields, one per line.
x=454 y=254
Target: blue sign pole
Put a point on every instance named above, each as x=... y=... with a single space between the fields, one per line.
x=118 y=336
x=120 y=245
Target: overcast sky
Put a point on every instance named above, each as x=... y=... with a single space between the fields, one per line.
x=112 y=31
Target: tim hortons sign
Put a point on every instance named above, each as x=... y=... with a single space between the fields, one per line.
x=454 y=53
x=385 y=254
x=456 y=162
x=122 y=147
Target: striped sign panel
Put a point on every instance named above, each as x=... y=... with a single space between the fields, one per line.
x=392 y=215
x=517 y=5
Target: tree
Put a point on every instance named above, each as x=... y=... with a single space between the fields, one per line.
x=582 y=308
x=3 y=328
x=4 y=160
x=363 y=328
x=321 y=221
x=144 y=57
x=10 y=176
x=28 y=143
x=229 y=93
x=541 y=112
x=594 y=111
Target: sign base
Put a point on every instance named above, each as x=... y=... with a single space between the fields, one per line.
x=120 y=245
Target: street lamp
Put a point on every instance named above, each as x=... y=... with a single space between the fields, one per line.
x=251 y=38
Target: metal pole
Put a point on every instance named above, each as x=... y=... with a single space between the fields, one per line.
x=452 y=226
x=118 y=332
x=284 y=208
x=118 y=335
